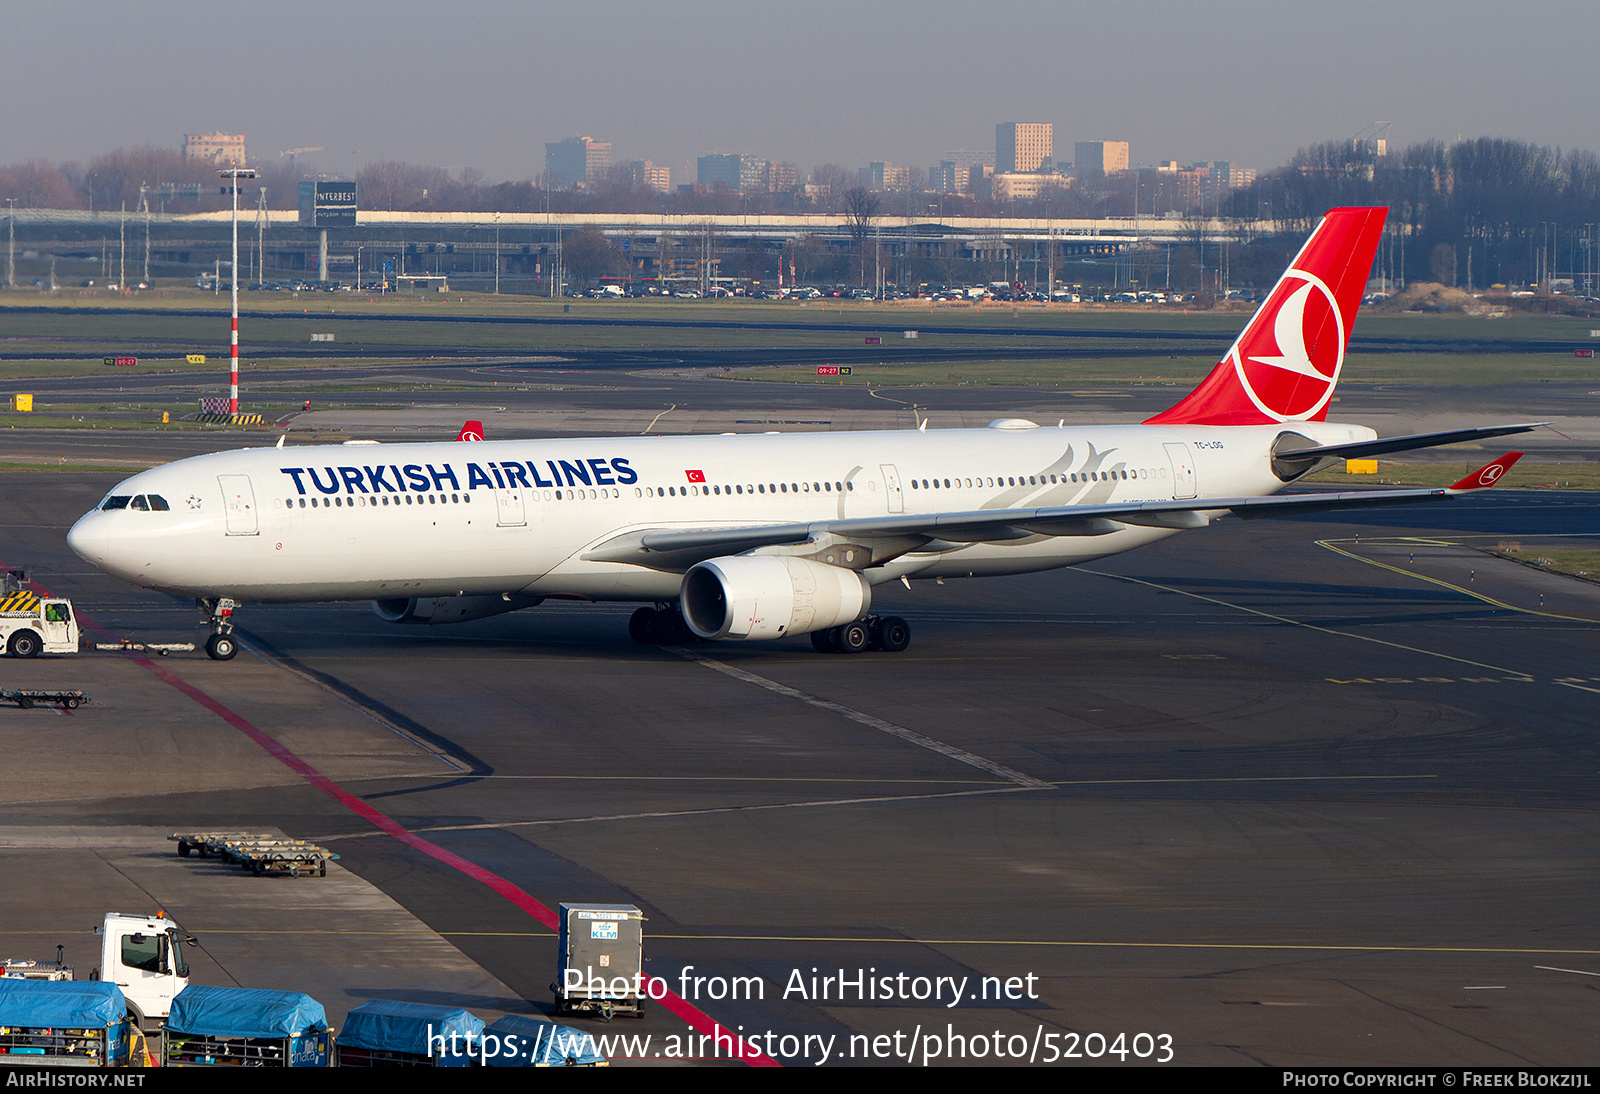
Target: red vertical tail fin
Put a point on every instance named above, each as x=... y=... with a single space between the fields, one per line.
x=470 y=431
x=1284 y=366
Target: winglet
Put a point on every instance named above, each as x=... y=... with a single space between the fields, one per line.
x=1488 y=474
x=470 y=431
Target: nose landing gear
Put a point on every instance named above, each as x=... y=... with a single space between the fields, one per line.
x=221 y=646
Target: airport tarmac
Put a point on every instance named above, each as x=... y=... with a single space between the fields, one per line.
x=1284 y=793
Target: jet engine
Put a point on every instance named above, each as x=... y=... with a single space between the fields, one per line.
x=765 y=596
x=449 y=609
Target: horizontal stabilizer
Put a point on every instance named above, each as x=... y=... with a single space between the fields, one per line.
x=1295 y=459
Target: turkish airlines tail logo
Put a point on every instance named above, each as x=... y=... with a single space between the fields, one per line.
x=1284 y=366
x=1488 y=474
x=470 y=431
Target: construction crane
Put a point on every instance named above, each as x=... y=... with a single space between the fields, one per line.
x=295 y=153
x=1373 y=138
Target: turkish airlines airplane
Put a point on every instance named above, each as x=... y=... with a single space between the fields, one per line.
x=761 y=536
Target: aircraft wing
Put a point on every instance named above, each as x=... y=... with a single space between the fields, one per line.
x=1294 y=459
x=677 y=548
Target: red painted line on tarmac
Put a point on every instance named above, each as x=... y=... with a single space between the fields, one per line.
x=673 y=1003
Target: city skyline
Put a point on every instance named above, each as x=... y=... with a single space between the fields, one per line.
x=1239 y=82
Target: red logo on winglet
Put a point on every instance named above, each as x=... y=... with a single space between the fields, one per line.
x=1489 y=474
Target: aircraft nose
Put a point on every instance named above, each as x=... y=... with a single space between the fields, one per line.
x=90 y=539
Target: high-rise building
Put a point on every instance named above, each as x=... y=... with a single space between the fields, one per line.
x=576 y=161
x=954 y=169
x=755 y=173
x=882 y=175
x=785 y=176
x=644 y=175
x=217 y=147
x=1099 y=157
x=723 y=167
x=737 y=170
x=1023 y=146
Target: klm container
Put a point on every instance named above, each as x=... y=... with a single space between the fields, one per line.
x=600 y=969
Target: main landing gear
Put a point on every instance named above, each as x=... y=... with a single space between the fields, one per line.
x=221 y=646
x=659 y=627
x=664 y=626
x=889 y=633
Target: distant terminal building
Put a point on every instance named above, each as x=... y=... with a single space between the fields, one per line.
x=216 y=147
x=1100 y=157
x=1023 y=146
x=644 y=175
x=576 y=161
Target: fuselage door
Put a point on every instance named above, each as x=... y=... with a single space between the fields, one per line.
x=1183 y=477
x=238 y=504
x=891 y=486
x=509 y=509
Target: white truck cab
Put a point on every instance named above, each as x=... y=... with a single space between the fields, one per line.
x=143 y=955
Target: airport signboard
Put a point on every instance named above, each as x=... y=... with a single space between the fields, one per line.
x=327 y=205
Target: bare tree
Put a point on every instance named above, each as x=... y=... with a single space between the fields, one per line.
x=861 y=206
x=588 y=254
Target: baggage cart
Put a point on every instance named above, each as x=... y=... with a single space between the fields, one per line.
x=245 y=1027
x=63 y=1023
x=391 y=1033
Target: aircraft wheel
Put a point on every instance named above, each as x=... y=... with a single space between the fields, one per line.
x=822 y=641
x=894 y=634
x=221 y=647
x=639 y=625
x=678 y=629
x=24 y=644
x=854 y=637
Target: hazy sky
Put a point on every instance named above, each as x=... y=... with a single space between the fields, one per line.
x=485 y=84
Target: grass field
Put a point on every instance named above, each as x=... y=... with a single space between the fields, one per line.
x=1472 y=369
x=163 y=326
x=1584 y=564
x=1524 y=476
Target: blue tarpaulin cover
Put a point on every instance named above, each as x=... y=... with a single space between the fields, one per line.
x=60 y=1004
x=244 y=1012
x=540 y=1042
x=389 y=1026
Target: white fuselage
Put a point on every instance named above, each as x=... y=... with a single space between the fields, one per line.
x=360 y=521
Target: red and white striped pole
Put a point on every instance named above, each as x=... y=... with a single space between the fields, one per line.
x=234 y=175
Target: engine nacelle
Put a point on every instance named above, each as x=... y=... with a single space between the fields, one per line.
x=449 y=609
x=769 y=596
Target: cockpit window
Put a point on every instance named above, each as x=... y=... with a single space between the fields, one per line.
x=141 y=503
x=116 y=501
x=159 y=504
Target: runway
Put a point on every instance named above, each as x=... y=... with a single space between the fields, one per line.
x=1284 y=793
